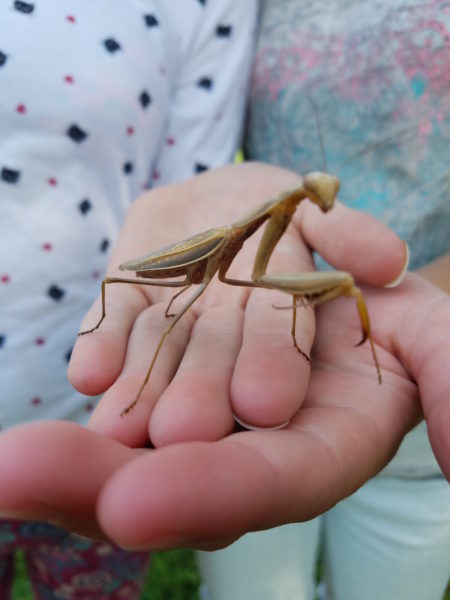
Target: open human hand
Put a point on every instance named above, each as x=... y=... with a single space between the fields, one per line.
x=201 y=487
x=233 y=352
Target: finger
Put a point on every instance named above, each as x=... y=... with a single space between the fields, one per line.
x=251 y=480
x=422 y=342
x=353 y=241
x=196 y=404
x=131 y=428
x=97 y=357
x=271 y=375
x=54 y=471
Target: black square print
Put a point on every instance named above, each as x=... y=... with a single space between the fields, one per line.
x=10 y=175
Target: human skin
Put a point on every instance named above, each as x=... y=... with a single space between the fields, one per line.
x=438 y=272
x=176 y=471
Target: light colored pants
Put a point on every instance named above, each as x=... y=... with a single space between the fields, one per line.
x=388 y=541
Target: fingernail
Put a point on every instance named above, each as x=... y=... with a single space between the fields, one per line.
x=397 y=281
x=255 y=428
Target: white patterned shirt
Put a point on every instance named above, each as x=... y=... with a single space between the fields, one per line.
x=98 y=101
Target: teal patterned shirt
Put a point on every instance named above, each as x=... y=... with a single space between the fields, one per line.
x=370 y=83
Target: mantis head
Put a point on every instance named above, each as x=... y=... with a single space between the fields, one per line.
x=322 y=189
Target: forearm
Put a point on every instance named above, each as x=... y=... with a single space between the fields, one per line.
x=438 y=272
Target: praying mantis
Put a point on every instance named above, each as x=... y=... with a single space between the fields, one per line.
x=200 y=257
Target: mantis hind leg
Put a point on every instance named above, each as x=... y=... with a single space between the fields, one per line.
x=174 y=297
x=165 y=333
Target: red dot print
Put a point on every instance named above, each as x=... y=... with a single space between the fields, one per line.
x=21 y=109
x=52 y=181
x=39 y=341
x=47 y=246
x=170 y=141
x=36 y=401
x=70 y=19
x=69 y=79
x=130 y=130
x=5 y=278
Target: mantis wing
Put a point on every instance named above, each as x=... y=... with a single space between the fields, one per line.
x=176 y=258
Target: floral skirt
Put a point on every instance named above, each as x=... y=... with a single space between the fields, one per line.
x=62 y=565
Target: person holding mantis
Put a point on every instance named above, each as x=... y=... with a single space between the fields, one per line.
x=365 y=86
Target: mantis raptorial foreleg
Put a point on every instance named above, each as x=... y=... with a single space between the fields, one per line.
x=273 y=231
x=314 y=288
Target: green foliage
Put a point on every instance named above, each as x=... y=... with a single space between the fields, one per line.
x=173 y=574
x=21 y=587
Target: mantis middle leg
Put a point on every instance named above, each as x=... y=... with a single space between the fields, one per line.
x=199 y=291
